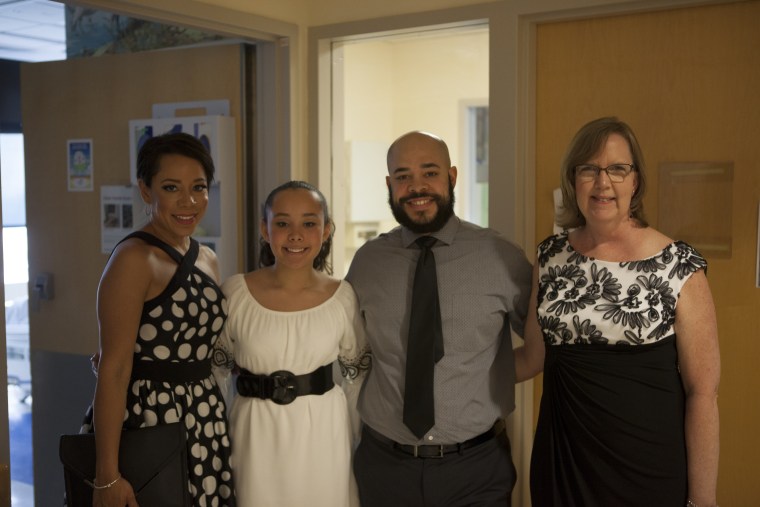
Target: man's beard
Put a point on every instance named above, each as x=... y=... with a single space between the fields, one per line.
x=444 y=212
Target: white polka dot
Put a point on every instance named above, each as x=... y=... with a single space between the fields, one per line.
x=210 y=293
x=203 y=318
x=148 y=331
x=163 y=398
x=198 y=470
x=171 y=416
x=190 y=333
x=183 y=326
x=224 y=490
x=192 y=309
x=197 y=390
x=220 y=427
x=184 y=350
x=209 y=484
x=217 y=325
x=151 y=419
x=138 y=348
x=180 y=295
x=195 y=450
x=177 y=311
x=225 y=305
x=167 y=325
x=180 y=390
x=204 y=304
x=203 y=409
x=202 y=352
x=190 y=421
x=161 y=352
x=156 y=312
x=202 y=331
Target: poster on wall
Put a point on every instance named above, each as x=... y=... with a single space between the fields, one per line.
x=117 y=217
x=79 y=164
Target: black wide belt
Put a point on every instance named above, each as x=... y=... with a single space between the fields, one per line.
x=169 y=371
x=282 y=387
x=432 y=451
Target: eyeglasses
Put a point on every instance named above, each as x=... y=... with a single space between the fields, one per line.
x=615 y=172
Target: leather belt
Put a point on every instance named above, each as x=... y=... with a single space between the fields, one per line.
x=432 y=451
x=282 y=387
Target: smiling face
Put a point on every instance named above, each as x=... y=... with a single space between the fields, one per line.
x=295 y=227
x=420 y=182
x=600 y=200
x=177 y=196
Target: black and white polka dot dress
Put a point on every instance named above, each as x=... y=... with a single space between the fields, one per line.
x=181 y=325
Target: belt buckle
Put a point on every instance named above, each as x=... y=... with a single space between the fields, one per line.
x=285 y=389
x=432 y=456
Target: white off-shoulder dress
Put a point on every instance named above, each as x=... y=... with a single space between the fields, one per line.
x=296 y=454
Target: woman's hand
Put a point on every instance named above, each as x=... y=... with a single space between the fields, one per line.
x=119 y=494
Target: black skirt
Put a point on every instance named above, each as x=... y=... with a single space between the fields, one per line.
x=610 y=428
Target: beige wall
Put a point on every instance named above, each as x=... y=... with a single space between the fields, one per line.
x=686 y=80
x=414 y=83
x=94 y=99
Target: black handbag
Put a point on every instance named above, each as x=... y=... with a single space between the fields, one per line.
x=152 y=459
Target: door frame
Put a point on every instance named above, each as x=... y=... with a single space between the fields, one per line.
x=512 y=116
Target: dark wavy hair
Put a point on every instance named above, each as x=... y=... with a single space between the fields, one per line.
x=321 y=263
x=588 y=141
x=151 y=153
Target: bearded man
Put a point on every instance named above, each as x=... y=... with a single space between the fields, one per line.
x=431 y=407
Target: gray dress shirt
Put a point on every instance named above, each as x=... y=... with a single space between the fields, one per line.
x=484 y=285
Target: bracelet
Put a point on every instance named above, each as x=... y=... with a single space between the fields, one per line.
x=106 y=486
x=690 y=503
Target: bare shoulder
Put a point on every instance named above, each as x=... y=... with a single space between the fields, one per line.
x=658 y=237
x=260 y=280
x=650 y=241
x=328 y=284
x=208 y=262
x=130 y=269
x=130 y=255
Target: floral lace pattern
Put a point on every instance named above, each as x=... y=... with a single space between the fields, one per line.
x=582 y=300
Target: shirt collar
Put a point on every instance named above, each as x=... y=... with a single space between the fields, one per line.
x=445 y=234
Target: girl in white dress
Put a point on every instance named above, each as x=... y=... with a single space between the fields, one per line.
x=290 y=426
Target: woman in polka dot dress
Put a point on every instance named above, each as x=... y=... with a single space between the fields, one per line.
x=160 y=312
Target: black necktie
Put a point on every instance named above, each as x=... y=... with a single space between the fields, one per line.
x=424 y=343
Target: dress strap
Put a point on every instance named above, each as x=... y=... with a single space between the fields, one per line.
x=186 y=262
x=154 y=241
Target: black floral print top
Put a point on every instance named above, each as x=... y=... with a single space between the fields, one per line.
x=582 y=300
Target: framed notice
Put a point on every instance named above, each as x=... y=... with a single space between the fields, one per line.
x=79 y=165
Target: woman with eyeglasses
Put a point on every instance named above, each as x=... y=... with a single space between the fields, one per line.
x=623 y=326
